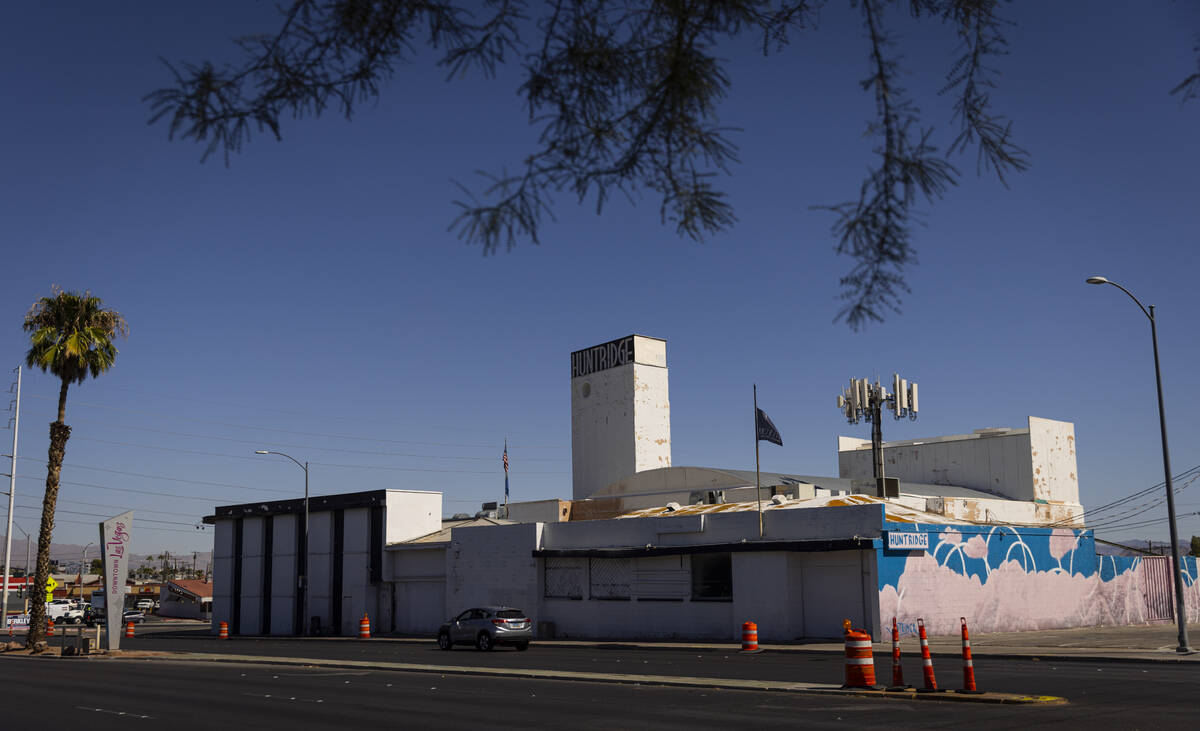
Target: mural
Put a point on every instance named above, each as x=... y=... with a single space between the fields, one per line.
x=1007 y=579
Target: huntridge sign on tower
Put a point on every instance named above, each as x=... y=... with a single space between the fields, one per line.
x=115 y=535
x=620 y=412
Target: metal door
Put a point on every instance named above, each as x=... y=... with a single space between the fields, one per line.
x=1157 y=588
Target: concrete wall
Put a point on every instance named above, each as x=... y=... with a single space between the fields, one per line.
x=417 y=581
x=359 y=595
x=252 y=576
x=778 y=524
x=789 y=595
x=411 y=514
x=539 y=511
x=222 y=564
x=1052 y=449
x=493 y=565
x=1006 y=579
x=1018 y=464
x=283 y=573
x=320 y=567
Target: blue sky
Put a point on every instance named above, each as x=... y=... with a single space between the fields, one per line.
x=309 y=297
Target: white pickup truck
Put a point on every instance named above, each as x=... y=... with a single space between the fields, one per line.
x=63 y=611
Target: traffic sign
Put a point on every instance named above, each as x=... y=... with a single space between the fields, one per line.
x=51 y=585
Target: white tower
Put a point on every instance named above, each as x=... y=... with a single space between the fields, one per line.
x=620 y=412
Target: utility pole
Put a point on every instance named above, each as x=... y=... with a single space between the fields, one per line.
x=12 y=494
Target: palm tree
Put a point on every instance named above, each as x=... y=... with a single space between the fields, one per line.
x=71 y=336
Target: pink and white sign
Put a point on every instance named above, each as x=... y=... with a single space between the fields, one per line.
x=115 y=535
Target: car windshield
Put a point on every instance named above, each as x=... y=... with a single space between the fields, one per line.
x=510 y=614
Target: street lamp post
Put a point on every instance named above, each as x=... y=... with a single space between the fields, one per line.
x=302 y=576
x=1180 y=608
x=27 y=539
x=82 y=559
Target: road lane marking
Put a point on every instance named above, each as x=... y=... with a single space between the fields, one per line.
x=125 y=714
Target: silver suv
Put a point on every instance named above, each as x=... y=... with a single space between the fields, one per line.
x=486 y=627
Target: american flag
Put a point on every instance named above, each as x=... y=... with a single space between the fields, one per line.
x=505 y=471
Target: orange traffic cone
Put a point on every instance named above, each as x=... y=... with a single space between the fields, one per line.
x=926 y=660
x=968 y=664
x=224 y=633
x=50 y=629
x=897 y=670
x=860 y=663
x=364 y=628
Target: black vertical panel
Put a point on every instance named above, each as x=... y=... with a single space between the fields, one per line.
x=339 y=545
x=301 y=570
x=376 y=544
x=235 y=623
x=267 y=559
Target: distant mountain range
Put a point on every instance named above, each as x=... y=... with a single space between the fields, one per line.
x=1142 y=546
x=68 y=554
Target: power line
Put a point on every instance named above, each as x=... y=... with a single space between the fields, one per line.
x=101 y=515
x=174 y=479
x=301 y=446
x=74 y=503
x=210 y=499
x=136 y=412
x=418 y=469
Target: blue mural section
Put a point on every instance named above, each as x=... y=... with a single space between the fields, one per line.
x=978 y=550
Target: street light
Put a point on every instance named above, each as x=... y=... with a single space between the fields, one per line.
x=302 y=575
x=1180 y=613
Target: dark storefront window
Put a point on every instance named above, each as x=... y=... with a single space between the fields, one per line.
x=712 y=576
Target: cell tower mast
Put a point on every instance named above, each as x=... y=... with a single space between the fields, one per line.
x=864 y=400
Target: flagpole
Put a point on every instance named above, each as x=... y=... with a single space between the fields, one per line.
x=757 y=485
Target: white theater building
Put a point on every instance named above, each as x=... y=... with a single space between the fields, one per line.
x=646 y=549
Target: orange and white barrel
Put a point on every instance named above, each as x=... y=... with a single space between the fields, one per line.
x=364 y=627
x=129 y=629
x=749 y=637
x=860 y=662
x=50 y=628
x=223 y=634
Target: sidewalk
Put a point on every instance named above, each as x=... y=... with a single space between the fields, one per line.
x=1155 y=643
x=1140 y=643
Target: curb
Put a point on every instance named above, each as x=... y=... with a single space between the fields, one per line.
x=980 y=652
x=630 y=679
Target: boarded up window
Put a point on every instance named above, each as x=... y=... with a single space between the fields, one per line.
x=712 y=576
x=661 y=577
x=564 y=578
x=611 y=578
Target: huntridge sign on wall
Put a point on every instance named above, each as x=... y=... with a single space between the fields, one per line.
x=115 y=534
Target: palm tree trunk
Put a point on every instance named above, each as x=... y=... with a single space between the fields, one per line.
x=59 y=433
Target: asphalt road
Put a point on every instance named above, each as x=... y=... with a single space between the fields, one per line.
x=150 y=694
x=1102 y=694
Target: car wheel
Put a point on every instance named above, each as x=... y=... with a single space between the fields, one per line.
x=483 y=642
x=522 y=646
x=444 y=641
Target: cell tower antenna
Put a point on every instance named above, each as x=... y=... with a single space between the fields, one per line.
x=866 y=400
